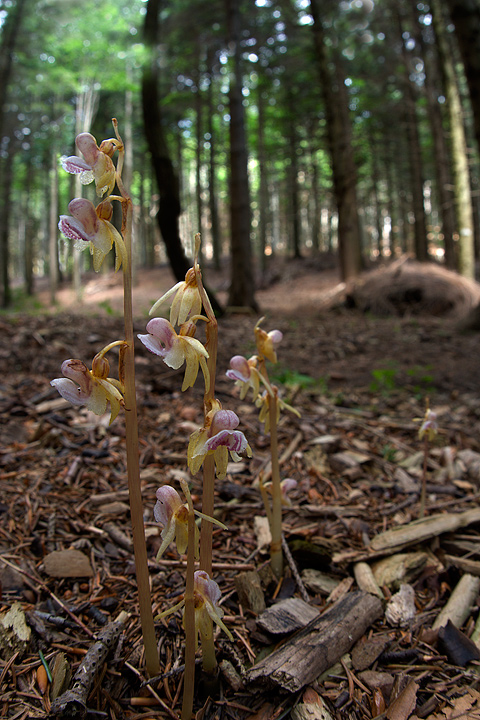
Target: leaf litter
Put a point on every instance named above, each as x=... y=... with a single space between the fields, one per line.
x=352 y=527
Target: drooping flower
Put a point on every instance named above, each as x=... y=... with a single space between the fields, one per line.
x=92 y=388
x=187 y=301
x=246 y=375
x=176 y=349
x=97 y=164
x=429 y=426
x=172 y=513
x=206 y=598
x=218 y=438
x=267 y=342
x=91 y=227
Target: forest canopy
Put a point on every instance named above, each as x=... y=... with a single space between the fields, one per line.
x=294 y=128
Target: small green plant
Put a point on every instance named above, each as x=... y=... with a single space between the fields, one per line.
x=384 y=380
x=424 y=380
x=293 y=378
x=389 y=453
x=105 y=305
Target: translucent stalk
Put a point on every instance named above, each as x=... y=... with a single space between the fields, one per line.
x=189 y=622
x=276 y=555
x=131 y=429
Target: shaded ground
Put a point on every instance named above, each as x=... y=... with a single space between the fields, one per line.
x=358 y=380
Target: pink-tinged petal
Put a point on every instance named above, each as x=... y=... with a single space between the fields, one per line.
x=234 y=441
x=240 y=369
x=78 y=372
x=84 y=211
x=276 y=336
x=168 y=502
x=224 y=420
x=163 y=331
x=87 y=145
x=206 y=587
x=73 y=229
x=75 y=165
x=69 y=391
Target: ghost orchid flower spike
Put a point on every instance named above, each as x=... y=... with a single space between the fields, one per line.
x=218 y=438
x=429 y=426
x=172 y=513
x=97 y=164
x=206 y=595
x=91 y=227
x=92 y=388
x=246 y=375
x=187 y=302
x=267 y=342
x=176 y=349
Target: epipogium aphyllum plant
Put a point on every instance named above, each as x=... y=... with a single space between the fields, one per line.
x=90 y=228
x=250 y=374
x=209 y=446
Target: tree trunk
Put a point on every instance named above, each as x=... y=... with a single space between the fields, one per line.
x=414 y=154
x=169 y=207
x=441 y=155
x=461 y=178
x=53 y=228
x=263 y=199
x=242 y=286
x=466 y=18
x=341 y=151
x=7 y=177
x=212 y=173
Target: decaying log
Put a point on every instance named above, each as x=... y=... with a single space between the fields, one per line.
x=319 y=645
x=73 y=703
x=420 y=530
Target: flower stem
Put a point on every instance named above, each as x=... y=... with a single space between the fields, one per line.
x=423 y=492
x=189 y=623
x=276 y=555
x=208 y=494
x=131 y=430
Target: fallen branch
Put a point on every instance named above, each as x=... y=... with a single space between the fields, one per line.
x=72 y=704
x=319 y=645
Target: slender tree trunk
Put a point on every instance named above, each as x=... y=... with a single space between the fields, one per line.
x=461 y=178
x=212 y=173
x=466 y=18
x=53 y=228
x=198 y=153
x=263 y=199
x=414 y=152
x=292 y=183
x=341 y=151
x=242 y=285
x=167 y=181
x=6 y=187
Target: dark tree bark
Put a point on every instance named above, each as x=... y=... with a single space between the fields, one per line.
x=212 y=170
x=465 y=15
x=341 y=151
x=242 y=285
x=414 y=153
x=169 y=207
x=6 y=173
x=263 y=197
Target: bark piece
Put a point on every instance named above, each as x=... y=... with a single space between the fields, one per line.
x=397 y=569
x=14 y=632
x=366 y=651
x=319 y=645
x=459 y=649
x=250 y=593
x=420 y=530
x=312 y=707
x=381 y=680
x=286 y=616
x=67 y=563
x=365 y=579
x=401 y=607
x=460 y=603
x=73 y=703
x=319 y=582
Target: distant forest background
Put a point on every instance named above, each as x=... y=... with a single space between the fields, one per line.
x=290 y=127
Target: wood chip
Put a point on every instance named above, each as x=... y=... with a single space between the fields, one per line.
x=67 y=563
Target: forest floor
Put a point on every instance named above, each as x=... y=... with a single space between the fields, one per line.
x=360 y=383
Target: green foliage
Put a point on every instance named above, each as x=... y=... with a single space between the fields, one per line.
x=293 y=378
x=23 y=303
x=389 y=453
x=423 y=380
x=384 y=380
